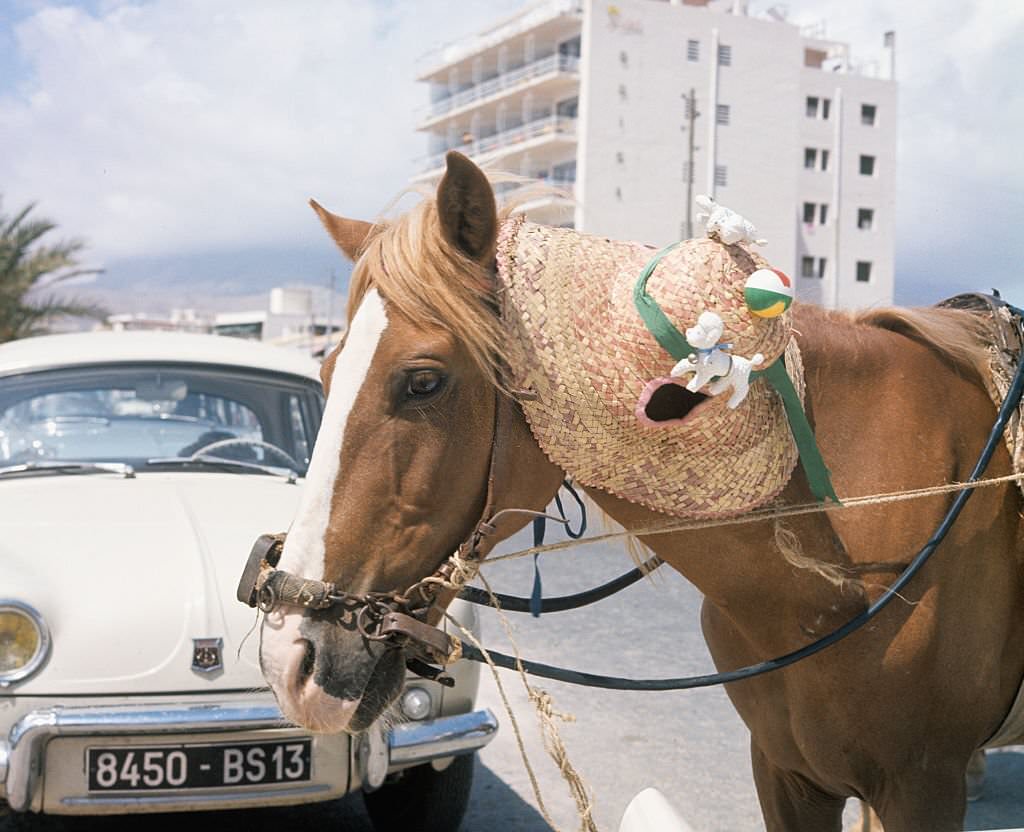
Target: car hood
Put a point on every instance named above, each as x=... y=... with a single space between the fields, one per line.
x=127 y=572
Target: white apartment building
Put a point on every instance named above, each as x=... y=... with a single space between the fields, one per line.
x=787 y=129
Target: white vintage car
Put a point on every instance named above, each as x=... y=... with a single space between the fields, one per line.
x=136 y=470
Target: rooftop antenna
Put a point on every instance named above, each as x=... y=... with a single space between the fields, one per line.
x=890 y=45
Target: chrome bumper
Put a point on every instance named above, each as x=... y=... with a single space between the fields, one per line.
x=22 y=756
x=419 y=742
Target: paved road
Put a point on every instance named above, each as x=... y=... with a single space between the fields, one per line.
x=689 y=744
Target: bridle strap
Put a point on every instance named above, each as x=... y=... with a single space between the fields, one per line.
x=399 y=618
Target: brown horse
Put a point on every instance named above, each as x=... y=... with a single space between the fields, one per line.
x=890 y=715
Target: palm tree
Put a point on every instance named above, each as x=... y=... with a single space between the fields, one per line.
x=30 y=270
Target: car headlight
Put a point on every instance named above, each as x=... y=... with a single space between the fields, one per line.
x=24 y=641
x=416 y=703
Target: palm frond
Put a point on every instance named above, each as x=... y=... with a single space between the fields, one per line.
x=26 y=266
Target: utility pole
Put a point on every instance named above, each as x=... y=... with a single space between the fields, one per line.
x=691 y=119
x=328 y=335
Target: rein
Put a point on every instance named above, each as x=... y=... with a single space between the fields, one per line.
x=400 y=618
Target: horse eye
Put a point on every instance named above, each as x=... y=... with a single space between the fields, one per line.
x=424 y=383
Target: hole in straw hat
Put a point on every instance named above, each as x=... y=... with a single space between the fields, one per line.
x=666 y=401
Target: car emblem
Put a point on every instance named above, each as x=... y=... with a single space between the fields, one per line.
x=206 y=654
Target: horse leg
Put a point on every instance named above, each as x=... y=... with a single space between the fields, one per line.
x=931 y=799
x=790 y=802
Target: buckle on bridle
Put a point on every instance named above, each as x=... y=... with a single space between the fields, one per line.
x=264 y=556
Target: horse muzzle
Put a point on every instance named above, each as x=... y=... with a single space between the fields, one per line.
x=391 y=618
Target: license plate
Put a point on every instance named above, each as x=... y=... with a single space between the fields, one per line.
x=215 y=765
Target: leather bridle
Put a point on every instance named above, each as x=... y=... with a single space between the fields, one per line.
x=397 y=618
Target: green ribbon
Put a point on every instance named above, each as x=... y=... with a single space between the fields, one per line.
x=676 y=345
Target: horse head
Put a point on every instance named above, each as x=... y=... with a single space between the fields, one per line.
x=399 y=474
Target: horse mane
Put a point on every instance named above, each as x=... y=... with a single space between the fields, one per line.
x=433 y=284
x=958 y=336
x=430 y=282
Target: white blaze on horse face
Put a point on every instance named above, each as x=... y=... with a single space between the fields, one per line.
x=304 y=547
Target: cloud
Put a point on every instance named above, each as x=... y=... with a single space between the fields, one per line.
x=153 y=128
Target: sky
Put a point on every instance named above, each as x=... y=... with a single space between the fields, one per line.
x=182 y=138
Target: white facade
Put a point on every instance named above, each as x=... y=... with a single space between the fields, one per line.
x=593 y=96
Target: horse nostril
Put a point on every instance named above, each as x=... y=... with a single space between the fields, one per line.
x=308 y=661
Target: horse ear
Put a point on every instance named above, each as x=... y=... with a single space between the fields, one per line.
x=350 y=235
x=466 y=207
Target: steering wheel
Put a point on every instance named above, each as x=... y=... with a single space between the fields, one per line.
x=205 y=450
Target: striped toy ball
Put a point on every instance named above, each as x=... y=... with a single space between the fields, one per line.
x=768 y=293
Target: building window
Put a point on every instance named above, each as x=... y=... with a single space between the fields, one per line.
x=863 y=271
x=818 y=107
x=867 y=165
x=815 y=212
x=725 y=55
x=618 y=193
x=571 y=48
x=722 y=114
x=564 y=172
x=568 y=108
x=865 y=219
x=721 y=176
x=812 y=267
x=812 y=156
x=867 y=114
x=693 y=50
x=623 y=95
x=624 y=59
x=620 y=157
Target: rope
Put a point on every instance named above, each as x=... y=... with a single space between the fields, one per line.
x=774 y=513
x=546 y=715
x=468 y=634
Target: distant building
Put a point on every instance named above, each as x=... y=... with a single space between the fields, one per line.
x=179 y=320
x=288 y=320
x=788 y=130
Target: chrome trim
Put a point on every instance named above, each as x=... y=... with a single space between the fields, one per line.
x=31 y=734
x=194 y=798
x=5 y=753
x=121 y=468
x=419 y=742
x=8 y=679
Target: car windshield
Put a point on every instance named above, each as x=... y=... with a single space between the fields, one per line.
x=138 y=414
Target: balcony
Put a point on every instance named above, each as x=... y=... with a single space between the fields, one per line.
x=557 y=129
x=548 y=19
x=552 y=65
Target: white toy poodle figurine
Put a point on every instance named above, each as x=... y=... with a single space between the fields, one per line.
x=728 y=226
x=712 y=365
